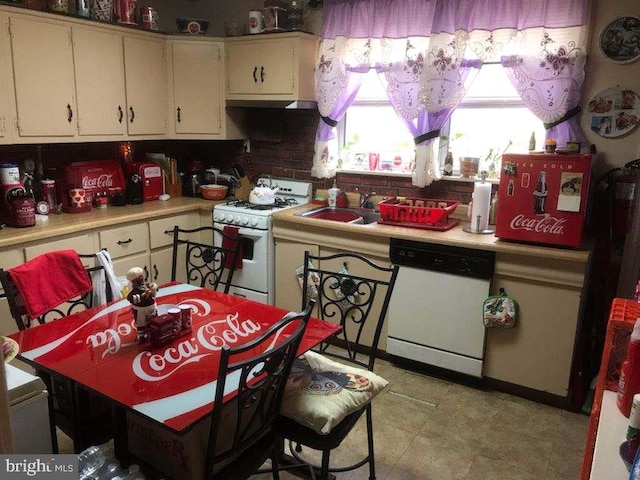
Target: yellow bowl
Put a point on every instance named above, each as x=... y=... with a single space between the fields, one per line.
x=213 y=192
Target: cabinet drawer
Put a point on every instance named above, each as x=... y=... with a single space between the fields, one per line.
x=160 y=231
x=126 y=240
x=81 y=244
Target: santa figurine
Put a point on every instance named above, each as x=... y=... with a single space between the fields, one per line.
x=143 y=300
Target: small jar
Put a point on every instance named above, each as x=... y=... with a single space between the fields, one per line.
x=48 y=190
x=23 y=211
x=100 y=200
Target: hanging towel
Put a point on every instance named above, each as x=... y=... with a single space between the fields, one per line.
x=49 y=280
x=101 y=277
x=229 y=242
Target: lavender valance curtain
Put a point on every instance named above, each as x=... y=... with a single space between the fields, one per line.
x=426 y=51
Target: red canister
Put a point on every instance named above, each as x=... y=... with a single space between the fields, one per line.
x=48 y=189
x=149 y=18
x=126 y=12
x=23 y=211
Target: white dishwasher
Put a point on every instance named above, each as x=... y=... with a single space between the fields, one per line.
x=435 y=312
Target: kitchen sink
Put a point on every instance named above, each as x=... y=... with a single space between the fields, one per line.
x=363 y=216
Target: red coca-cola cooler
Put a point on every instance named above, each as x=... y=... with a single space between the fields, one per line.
x=542 y=198
x=96 y=176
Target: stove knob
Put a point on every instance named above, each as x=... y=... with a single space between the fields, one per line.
x=219 y=217
x=236 y=220
x=244 y=220
x=254 y=222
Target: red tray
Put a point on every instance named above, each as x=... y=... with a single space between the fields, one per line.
x=441 y=226
x=416 y=211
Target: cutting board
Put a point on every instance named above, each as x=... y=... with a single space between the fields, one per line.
x=243 y=189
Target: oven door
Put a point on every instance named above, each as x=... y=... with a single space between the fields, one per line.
x=254 y=274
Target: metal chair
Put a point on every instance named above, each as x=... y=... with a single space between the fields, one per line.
x=236 y=449
x=85 y=418
x=206 y=265
x=354 y=300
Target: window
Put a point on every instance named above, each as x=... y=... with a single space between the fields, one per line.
x=491 y=118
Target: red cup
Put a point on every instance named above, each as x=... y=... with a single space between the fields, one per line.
x=374 y=161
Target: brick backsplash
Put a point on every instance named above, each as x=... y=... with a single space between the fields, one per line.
x=282 y=144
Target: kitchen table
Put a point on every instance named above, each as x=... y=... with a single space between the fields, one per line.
x=172 y=385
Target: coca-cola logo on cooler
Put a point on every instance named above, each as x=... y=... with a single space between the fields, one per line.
x=540 y=224
x=101 y=181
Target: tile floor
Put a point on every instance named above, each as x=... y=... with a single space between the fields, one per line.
x=431 y=429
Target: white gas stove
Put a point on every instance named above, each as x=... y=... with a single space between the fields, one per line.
x=256 y=279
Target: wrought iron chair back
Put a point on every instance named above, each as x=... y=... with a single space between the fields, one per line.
x=258 y=371
x=206 y=265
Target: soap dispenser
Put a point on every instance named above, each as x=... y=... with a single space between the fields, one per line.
x=333 y=195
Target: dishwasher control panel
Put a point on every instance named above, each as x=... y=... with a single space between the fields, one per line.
x=443 y=258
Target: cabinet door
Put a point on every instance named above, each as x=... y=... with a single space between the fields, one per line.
x=99 y=73
x=289 y=256
x=122 y=265
x=5 y=72
x=196 y=88
x=276 y=68
x=243 y=68
x=44 y=82
x=146 y=85
x=161 y=266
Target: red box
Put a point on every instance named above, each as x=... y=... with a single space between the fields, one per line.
x=162 y=329
x=151 y=175
x=542 y=198
x=94 y=176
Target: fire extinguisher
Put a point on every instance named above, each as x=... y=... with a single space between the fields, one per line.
x=625 y=194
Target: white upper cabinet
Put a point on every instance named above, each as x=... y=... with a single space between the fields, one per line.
x=43 y=77
x=99 y=75
x=146 y=85
x=198 y=103
x=6 y=122
x=271 y=67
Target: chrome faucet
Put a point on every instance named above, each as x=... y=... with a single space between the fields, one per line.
x=365 y=199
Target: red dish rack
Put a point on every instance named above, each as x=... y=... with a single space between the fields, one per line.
x=622 y=318
x=426 y=213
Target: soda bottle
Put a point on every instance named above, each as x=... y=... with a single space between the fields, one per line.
x=89 y=461
x=540 y=195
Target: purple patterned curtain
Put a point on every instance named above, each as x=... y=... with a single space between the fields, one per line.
x=425 y=52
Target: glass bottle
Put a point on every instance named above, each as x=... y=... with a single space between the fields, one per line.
x=295 y=18
x=448 y=164
x=532 y=142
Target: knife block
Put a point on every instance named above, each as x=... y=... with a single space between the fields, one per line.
x=243 y=189
x=174 y=189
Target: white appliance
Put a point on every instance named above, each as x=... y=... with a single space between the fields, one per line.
x=29 y=412
x=435 y=312
x=256 y=279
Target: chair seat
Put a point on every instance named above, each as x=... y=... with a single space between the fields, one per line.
x=298 y=433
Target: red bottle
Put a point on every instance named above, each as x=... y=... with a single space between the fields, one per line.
x=629 y=383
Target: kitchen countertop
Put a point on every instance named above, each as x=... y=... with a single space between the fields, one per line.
x=48 y=226
x=455 y=236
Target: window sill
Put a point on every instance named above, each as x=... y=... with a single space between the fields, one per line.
x=451 y=178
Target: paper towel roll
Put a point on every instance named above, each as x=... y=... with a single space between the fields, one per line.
x=480 y=207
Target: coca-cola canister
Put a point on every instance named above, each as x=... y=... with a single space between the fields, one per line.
x=126 y=11
x=23 y=211
x=48 y=190
x=149 y=17
x=185 y=317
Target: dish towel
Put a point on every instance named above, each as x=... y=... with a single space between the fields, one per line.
x=229 y=242
x=49 y=280
x=101 y=277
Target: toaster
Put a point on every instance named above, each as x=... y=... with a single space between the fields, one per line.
x=151 y=177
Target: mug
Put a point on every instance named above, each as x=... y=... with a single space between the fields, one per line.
x=255 y=21
x=78 y=197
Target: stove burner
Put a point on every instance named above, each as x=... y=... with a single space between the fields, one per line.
x=279 y=203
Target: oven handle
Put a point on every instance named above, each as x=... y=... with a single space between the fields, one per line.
x=247 y=232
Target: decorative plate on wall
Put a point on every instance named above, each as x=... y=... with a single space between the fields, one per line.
x=620 y=39
x=614 y=112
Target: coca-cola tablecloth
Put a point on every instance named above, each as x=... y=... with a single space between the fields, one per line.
x=173 y=384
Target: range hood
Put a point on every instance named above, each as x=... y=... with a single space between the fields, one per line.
x=279 y=104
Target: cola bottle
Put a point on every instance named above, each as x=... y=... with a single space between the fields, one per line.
x=540 y=195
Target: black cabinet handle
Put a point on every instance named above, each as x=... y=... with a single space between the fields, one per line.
x=69 y=113
x=124 y=242
x=146 y=273
x=179 y=117
x=255 y=71
x=133 y=114
x=155 y=272
x=120 y=114
x=168 y=232
x=261 y=74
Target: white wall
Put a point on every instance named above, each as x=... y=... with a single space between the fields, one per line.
x=602 y=73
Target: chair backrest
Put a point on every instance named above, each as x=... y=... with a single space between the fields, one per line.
x=258 y=370
x=73 y=305
x=354 y=292
x=206 y=265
